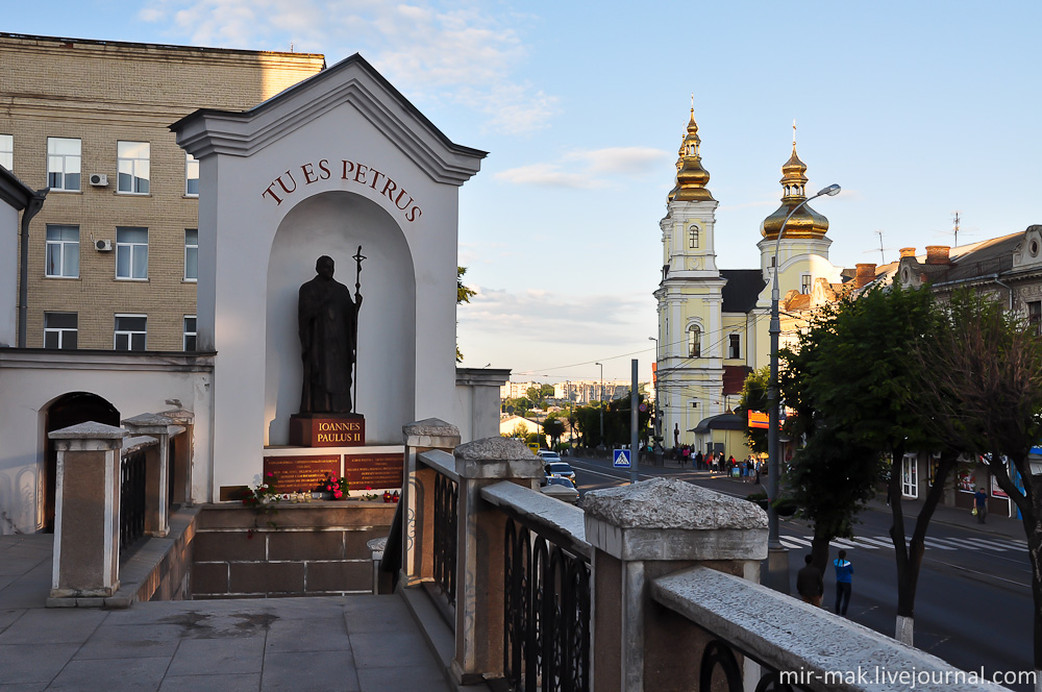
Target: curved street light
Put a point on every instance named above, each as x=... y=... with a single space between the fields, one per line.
x=773 y=451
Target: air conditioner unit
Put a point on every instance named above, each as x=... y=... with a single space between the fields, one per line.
x=103 y=245
x=99 y=180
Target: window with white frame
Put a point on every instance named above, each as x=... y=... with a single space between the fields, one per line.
x=130 y=332
x=692 y=237
x=63 y=163
x=805 y=284
x=189 y=333
x=131 y=253
x=191 y=254
x=734 y=346
x=60 y=330
x=694 y=341
x=191 y=176
x=133 y=167
x=910 y=476
x=7 y=151
x=63 y=251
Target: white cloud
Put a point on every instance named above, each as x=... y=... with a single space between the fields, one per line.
x=555 y=317
x=631 y=161
x=587 y=169
x=547 y=175
x=470 y=55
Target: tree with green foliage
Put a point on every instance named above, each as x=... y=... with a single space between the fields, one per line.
x=985 y=389
x=518 y=407
x=538 y=394
x=553 y=427
x=463 y=295
x=754 y=398
x=852 y=376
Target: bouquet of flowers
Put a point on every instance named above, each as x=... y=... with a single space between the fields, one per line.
x=263 y=493
x=335 y=485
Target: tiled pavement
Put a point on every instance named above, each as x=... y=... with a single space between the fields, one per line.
x=355 y=643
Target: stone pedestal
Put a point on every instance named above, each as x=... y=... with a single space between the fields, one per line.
x=418 y=497
x=86 y=523
x=481 y=543
x=644 y=531
x=157 y=469
x=327 y=430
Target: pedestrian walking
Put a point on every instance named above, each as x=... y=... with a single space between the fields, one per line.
x=698 y=460
x=809 y=583
x=844 y=579
x=980 y=505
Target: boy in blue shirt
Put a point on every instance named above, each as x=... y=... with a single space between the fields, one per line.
x=844 y=576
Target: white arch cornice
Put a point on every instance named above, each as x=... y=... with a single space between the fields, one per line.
x=352 y=81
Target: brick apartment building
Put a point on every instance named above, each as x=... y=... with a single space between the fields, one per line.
x=112 y=257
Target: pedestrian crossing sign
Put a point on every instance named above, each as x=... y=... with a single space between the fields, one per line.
x=621 y=458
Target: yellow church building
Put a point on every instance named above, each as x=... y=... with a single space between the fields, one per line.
x=713 y=323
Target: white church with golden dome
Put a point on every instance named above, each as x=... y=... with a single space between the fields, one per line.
x=713 y=323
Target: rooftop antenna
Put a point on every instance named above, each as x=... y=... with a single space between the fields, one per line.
x=956 y=229
x=882 y=257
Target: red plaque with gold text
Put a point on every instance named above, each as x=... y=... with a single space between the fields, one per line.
x=293 y=474
x=327 y=430
x=374 y=470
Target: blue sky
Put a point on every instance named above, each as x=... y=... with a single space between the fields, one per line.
x=918 y=109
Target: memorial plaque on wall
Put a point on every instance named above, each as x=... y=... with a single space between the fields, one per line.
x=293 y=474
x=376 y=471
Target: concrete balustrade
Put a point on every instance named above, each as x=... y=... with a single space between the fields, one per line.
x=157 y=469
x=417 y=498
x=86 y=523
x=641 y=532
x=480 y=590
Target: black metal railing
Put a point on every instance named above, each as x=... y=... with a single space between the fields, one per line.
x=446 y=495
x=131 y=500
x=547 y=614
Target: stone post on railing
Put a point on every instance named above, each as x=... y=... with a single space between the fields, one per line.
x=644 y=531
x=418 y=496
x=157 y=469
x=182 y=455
x=86 y=521
x=480 y=597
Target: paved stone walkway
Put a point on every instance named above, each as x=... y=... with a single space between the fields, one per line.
x=356 y=643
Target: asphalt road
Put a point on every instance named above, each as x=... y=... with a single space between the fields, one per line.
x=973 y=603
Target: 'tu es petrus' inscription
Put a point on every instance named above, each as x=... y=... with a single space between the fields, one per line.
x=352 y=171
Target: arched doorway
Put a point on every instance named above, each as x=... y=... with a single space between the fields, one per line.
x=69 y=409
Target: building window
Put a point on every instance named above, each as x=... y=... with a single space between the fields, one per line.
x=910 y=476
x=63 y=164
x=131 y=253
x=694 y=341
x=734 y=346
x=130 y=332
x=63 y=251
x=1035 y=316
x=191 y=176
x=7 y=151
x=59 y=330
x=805 y=284
x=189 y=332
x=692 y=237
x=191 y=254
x=133 y=167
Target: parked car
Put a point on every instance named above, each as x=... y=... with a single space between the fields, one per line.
x=560 y=469
x=561 y=488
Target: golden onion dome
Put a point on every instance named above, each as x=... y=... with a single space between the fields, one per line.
x=805 y=223
x=692 y=178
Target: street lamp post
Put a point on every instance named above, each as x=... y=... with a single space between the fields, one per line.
x=654 y=376
x=773 y=451
x=601 y=406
